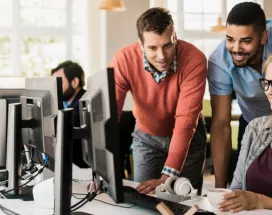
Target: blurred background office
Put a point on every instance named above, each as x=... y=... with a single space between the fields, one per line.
x=36 y=35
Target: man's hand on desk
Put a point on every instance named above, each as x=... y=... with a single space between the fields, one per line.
x=148 y=187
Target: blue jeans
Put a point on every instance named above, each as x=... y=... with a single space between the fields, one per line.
x=150 y=153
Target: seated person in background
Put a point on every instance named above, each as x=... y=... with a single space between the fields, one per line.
x=72 y=85
x=252 y=179
x=166 y=78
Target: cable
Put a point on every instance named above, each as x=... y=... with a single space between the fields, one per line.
x=77 y=194
x=86 y=196
x=30 y=179
x=80 y=181
x=28 y=165
x=8 y=211
x=120 y=206
x=5 y=210
x=89 y=198
x=75 y=205
x=2 y=196
x=81 y=194
x=30 y=168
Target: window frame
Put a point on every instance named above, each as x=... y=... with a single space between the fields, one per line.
x=17 y=31
x=201 y=34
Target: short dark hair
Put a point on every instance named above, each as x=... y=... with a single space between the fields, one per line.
x=71 y=70
x=248 y=13
x=156 y=20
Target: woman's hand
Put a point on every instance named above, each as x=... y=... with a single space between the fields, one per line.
x=239 y=200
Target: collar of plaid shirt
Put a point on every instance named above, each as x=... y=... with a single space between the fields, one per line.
x=159 y=76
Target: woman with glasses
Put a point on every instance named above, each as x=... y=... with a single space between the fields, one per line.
x=252 y=181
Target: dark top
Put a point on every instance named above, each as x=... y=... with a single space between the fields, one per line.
x=259 y=174
x=77 y=146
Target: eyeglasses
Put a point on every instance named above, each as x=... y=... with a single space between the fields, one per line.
x=265 y=84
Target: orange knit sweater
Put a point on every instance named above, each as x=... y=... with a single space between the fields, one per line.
x=169 y=108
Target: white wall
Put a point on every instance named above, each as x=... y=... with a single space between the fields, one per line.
x=94 y=38
x=267 y=5
x=121 y=26
x=120 y=31
x=158 y=3
x=109 y=31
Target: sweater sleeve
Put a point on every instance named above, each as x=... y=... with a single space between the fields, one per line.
x=121 y=81
x=189 y=107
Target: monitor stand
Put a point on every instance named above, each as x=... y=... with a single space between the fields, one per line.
x=63 y=164
x=25 y=194
x=14 y=148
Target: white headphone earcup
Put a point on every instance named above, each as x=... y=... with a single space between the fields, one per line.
x=169 y=184
x=182 y=186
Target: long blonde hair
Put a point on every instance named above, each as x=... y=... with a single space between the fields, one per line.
x=266 y=63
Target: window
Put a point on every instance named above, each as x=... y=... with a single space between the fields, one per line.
x=200 y=15
x=5 y=51
x=194 y=20
x=36 y=35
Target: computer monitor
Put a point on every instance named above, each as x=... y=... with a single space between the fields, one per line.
x=32 y=123
x=10 y=91
x=7 y=96
x=40 y=102
x=99 y=134
x=101 y=148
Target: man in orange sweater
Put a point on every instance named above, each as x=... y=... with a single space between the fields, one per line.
x=166 y=78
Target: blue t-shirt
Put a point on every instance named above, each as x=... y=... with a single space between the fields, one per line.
x=224 y=77
x=65 y=105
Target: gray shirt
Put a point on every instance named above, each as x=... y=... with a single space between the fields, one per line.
x=257 y=137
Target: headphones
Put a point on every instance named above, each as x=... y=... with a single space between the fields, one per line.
x=176 y=189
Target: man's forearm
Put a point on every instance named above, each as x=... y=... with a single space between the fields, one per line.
x=221 y=152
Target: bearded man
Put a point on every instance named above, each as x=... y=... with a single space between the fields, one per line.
x=73 y=81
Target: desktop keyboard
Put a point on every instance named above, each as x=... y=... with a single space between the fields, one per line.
x=134 y=197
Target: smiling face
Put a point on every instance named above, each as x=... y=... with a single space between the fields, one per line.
x=244 y=44
x=159 y=49
x=268 y=76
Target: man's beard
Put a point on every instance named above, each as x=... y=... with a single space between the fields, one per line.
x=249 y=60
x=69 y=93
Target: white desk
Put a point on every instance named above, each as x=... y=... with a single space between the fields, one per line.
x=94 y=207
x=99 y=208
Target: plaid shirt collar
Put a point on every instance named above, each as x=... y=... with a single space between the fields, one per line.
x=159 y=76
